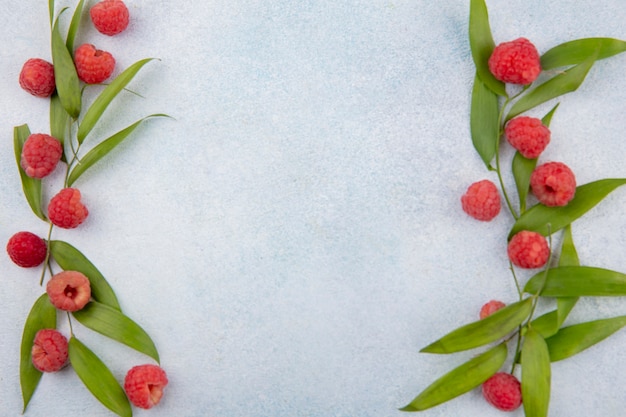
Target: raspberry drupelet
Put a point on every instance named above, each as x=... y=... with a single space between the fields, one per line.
x=515 y=62
x=528 y=135
x=481 y=200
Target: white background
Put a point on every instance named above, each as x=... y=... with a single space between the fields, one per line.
x=294 y=236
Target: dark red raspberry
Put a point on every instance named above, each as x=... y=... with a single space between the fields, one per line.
x=49 y=352
x=66 y=210
x=69 y=290
x=110 y=17
x=37 y=77
x=553 y=183
x=93 y=65
x=515 y=62
x=528 y=135
x=491 y=307
x=481 y=200
x=503 y=391
x=40 y=155
x=144 y=385
x=27 y=249
x=528 y=250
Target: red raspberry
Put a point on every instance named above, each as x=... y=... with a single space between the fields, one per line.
x=481 y=200
x=503 y=391
x=93 y=65
x=553 y=183
x=27 y=249
x=491 y=307
x=65 y=209
x=40 y=155
x=528 y=250
x=144 y=385
x=37 y=77
x=110 y=17
x=69 y=290
x=528 y=135
x=515 y=62
x=49 y=352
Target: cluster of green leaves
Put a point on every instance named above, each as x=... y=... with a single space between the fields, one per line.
x=540 y=340
x=103 y=314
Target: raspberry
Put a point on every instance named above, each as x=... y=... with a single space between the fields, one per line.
x=481 y=200
x=93 y=65
x=491 y=307
x=503 y=391
x=27 y=249
x=528 y=250
x=110 y=17
x=49 y=352
x=69 y=290
x=528 y=135
x=37 y=77
x=515 y=62
x=40 y=155
x=144 y=385
x=553 y=183
x=65 y=209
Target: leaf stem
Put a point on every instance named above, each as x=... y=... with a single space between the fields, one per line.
x=47 y=259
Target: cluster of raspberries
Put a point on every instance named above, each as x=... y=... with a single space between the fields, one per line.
x=71 y=290
x=552 y=183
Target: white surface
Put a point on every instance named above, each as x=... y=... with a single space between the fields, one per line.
x=295 y=236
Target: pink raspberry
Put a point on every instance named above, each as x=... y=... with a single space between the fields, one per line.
x=49 y=352
x=144 y=385
x=40 y=155
x=515 y=62
x=37 y=77
x=553 y=183
x=69 y=290
x=27 y=249
x=503 y=391
x=110 y=17
x=528 y=135
x=528 y=250
x=66 y=210
x=491 y=307
x=481 y=200
x=93 y=65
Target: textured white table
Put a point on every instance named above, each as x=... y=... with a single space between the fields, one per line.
x=295 y=236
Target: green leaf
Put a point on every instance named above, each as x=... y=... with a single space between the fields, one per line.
x=106 y=96
x=548 y=117
x=98 y=378
x=66 y=78
x=42 y=315
x=574 y=339
x=482 y=45
x=51 y=11
x=484 y=121
x=482 y=332
x=59 y=122
x=74 y=25
x=71 y=259
x=535 y=375
x=102 y=149
x=522 y=170
x=460 y=380
x=30 y=186
x=546 y=220
x=112 y=323
x=563 y=83
x=578 y=281
x=579 y=50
